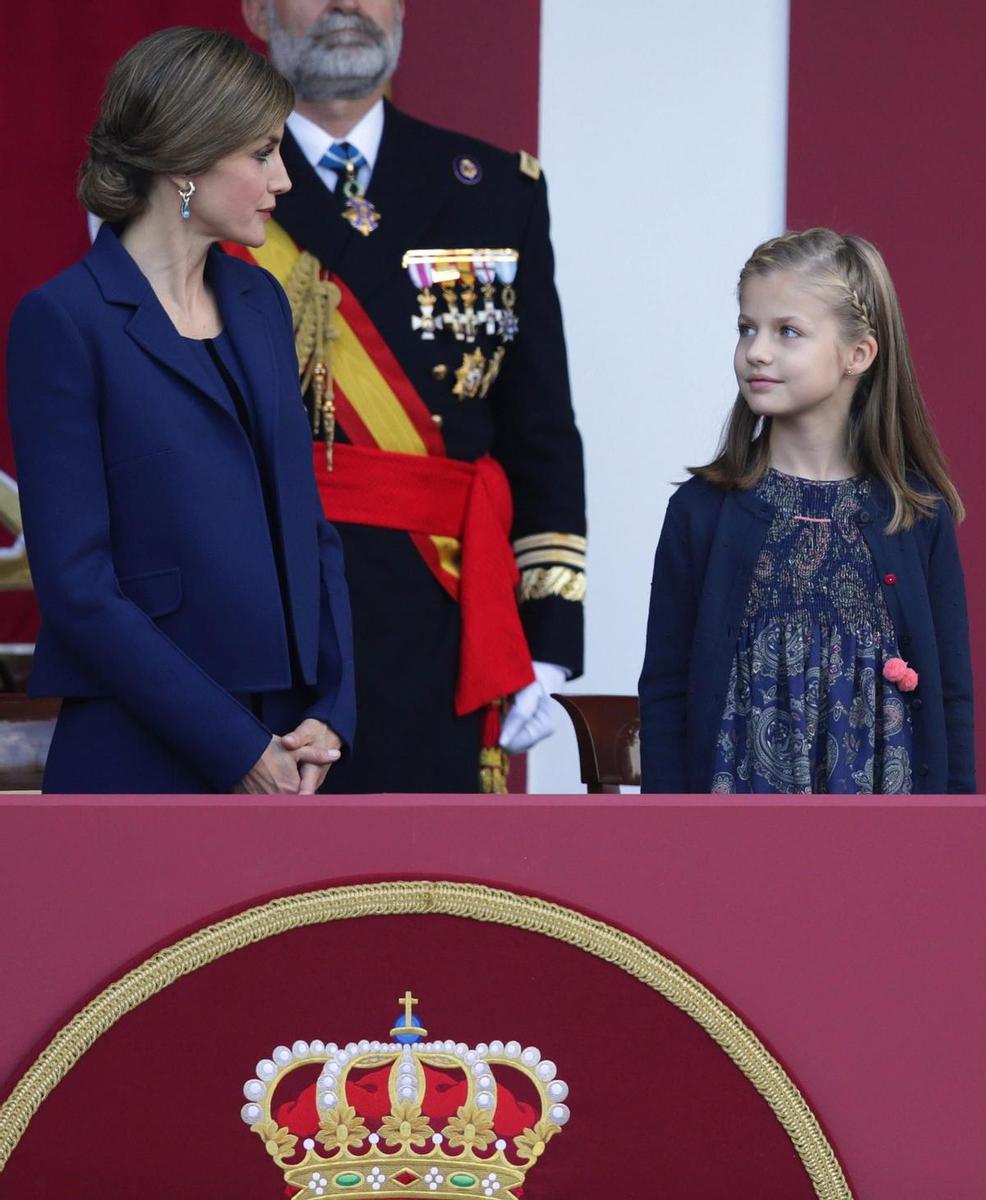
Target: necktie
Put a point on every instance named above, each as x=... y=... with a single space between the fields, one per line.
x=346 y=160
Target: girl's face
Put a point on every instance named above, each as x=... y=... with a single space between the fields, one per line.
x=791 y=357
x=235 y=199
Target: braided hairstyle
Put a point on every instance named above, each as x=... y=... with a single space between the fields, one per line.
x=890 y=432
x=175 y=104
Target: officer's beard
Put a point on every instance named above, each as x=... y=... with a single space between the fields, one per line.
x=320 y=69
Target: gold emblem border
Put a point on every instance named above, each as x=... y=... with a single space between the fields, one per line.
x=473 y=902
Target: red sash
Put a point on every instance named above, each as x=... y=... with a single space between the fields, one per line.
x=444 y=497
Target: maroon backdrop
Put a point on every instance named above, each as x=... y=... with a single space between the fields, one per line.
x=885 y=139
x=467 y=63
x=473 y=65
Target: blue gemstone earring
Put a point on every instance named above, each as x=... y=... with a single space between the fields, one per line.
x=186 y=197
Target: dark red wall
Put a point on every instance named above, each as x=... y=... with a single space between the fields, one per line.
x=886 y=140
x=474 y=65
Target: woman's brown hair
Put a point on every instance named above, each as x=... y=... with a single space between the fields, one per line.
x=890 y=433
x=176 y=103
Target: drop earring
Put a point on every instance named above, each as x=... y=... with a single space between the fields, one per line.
x=186 y=197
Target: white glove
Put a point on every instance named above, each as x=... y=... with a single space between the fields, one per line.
x=529 y=719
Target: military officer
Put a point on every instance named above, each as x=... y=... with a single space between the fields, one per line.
x=431 y=350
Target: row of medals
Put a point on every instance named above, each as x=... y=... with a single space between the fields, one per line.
x=458 y=274
x=447 y=269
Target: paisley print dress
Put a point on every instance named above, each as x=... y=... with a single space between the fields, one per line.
x=807 y=707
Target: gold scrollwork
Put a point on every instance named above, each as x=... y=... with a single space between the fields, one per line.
x=539 y=583
x=313 y=301
x=14 y=570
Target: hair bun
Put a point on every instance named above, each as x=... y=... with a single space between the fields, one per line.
x=110 y=186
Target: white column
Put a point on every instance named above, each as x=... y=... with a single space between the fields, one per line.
x=663 y=135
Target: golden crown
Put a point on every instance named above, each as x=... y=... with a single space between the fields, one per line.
x=407 y=1118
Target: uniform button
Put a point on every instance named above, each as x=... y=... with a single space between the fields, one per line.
x=864 y=518
x=438 y=419
x=917 y=703
x=890 y=579
x=439 y=371
x=923 y=769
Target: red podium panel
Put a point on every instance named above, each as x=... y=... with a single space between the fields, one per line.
x=847 y=937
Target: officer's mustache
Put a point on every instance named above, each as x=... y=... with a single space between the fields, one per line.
x=336 y=22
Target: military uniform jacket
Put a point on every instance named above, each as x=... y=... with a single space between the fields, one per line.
x=438 y=189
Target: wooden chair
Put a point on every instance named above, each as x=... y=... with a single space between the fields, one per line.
x=26 y=727
x=607 y=729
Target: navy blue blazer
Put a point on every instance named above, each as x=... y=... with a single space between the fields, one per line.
x=144 y=512
x=702 y=574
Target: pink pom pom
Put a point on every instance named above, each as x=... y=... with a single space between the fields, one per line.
x=894 y=669
x=909 y=680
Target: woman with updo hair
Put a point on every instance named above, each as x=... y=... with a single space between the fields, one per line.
x=195 y=617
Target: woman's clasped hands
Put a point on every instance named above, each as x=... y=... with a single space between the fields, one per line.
x=295 y=764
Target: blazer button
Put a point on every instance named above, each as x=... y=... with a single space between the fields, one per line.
x=923 y=769
x=864 y=518
x=917 y=703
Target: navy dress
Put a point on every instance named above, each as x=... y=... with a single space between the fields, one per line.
x=807 y=707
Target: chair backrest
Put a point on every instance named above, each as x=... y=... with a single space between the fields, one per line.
x=15 y=667
x=26 y=727
x=607 y=729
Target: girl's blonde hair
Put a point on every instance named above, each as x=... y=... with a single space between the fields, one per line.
x=890 y=433
x=175 y=104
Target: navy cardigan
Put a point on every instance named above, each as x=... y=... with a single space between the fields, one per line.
x=702 y=573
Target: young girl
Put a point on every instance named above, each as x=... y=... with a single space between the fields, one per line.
x=807 y=627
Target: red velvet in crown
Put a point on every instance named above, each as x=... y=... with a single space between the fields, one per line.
x=444 y=1095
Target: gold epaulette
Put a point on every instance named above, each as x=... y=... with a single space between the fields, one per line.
x=529 y=165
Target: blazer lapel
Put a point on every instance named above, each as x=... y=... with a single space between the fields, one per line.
x=121 y=282
x=152 y=330
x=246 y=320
